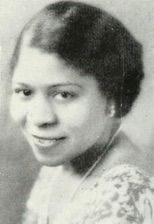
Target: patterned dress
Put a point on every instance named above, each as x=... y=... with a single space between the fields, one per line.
x=122 y=195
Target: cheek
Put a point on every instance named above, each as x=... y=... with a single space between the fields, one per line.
x=74 y=115
x=84 y=115
x=17 y=110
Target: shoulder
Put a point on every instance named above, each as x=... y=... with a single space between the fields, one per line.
x=127 y=176
x=126 y=190
x=121 y=178
x=122 y=195
x=41 y=188
x=39 y=193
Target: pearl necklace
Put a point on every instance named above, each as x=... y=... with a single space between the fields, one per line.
x=91 y=169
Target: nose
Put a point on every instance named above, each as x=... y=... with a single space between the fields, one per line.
x=42 y=113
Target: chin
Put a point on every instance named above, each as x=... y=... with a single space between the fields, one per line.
x=49 y=161
x=44 y=162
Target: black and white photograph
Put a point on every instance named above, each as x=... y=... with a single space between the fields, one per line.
x=77 y=112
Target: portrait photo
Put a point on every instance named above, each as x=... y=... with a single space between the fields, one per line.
x=77 y=112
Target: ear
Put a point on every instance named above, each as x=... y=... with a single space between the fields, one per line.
x=111 y=109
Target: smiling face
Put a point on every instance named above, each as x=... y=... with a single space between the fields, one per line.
x=61 y=113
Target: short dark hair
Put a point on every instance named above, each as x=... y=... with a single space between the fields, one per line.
x=92 y=41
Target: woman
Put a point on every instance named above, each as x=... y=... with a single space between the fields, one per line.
x=76 y=73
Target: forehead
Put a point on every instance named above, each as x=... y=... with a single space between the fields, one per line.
x=32 y=60
x=36 y=67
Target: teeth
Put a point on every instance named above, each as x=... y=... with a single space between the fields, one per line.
x=45 y=142
x=42 y=141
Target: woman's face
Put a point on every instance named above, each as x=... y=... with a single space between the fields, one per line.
x=61 y=113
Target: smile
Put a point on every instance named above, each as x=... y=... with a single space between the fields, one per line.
x=46 y=142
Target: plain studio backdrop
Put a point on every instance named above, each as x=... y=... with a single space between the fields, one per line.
x=18 y=167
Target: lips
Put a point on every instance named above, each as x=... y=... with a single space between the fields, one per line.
x=46 y=142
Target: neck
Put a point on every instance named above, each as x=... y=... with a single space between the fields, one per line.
x=81 y=164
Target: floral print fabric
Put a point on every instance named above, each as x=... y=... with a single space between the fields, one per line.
x=122 y=195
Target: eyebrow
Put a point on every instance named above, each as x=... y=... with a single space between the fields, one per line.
x=51 y=86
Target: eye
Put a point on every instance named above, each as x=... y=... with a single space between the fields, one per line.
x=24 y=92
x=65 y=95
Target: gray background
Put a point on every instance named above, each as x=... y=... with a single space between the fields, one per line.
x=18 y=167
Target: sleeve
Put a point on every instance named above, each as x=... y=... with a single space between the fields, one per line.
x=125 y=195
